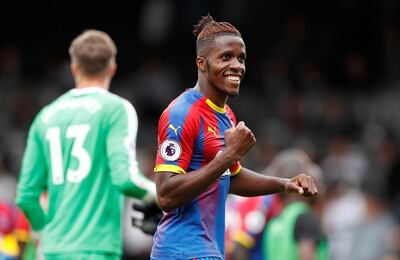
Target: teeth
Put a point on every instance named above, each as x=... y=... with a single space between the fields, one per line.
x=234 y=78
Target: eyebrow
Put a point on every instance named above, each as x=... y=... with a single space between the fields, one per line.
x=230 y=52
x=226 y=52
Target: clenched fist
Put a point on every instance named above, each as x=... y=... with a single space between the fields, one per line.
x=238 y=140
x=302 y=184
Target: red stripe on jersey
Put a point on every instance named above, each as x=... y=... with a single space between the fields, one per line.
x=190 y=132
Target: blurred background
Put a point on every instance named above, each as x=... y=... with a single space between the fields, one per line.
x=323 y=76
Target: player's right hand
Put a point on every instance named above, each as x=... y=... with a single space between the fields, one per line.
x=152 y=214
x=239 y=140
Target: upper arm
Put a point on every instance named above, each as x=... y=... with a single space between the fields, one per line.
x=122 y=124
x=161 y=179
x=177 y=132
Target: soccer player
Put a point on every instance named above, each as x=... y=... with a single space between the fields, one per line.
x=81 y=149
x=200 y=146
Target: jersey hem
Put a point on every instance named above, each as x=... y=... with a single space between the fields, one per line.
x=183 y=256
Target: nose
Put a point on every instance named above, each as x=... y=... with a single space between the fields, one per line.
x=237 y=66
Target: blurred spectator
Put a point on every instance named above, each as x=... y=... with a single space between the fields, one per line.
x=246 y=221
x=344 y=211
x=344 y=163
x=377 y=236
x=247 y=217
x=14 y=227
x=14 y=231
x=8 y=183
x=296 y=233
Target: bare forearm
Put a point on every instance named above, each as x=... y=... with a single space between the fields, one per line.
x=174 y=190
x=248 y=183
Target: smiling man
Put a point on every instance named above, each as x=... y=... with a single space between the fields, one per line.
x=200 y=145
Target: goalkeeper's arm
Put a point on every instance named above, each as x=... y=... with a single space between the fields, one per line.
x=32 y=181
x=121 y=153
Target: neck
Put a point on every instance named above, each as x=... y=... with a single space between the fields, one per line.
x=211 y=92
x=101 y=83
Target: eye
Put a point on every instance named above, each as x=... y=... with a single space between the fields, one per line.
x=226 y=57
x=241 y=59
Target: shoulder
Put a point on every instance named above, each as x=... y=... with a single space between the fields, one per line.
x=46 y=112
x=114 y=103
x=113 y=99
x=184 y=107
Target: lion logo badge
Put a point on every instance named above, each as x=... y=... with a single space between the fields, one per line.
x=170 y=150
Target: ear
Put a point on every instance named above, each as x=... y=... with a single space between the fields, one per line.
x=112 y=70
x=201 y=63
x=74 y=69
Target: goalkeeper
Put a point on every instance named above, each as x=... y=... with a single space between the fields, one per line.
x=81 y=149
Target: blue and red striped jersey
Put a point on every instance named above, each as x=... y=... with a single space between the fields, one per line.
x=190 y=135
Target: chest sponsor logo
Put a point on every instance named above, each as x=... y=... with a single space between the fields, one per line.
x=170 y=150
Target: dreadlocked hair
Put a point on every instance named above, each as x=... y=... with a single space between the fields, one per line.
x=207 y=29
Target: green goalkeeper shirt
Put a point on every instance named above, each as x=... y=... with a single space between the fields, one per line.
x=81 y=149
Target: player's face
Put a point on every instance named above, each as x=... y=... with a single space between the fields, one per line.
x=225 y=64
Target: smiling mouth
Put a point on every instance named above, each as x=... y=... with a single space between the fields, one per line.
x=234 y=79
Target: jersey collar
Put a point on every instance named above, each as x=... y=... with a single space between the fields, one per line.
x=215 y=107
x=86 y=90
x=209 y=102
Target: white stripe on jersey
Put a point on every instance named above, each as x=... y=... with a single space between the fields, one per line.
x=130 y=144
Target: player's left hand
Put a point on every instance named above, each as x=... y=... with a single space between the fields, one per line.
x=302 y=184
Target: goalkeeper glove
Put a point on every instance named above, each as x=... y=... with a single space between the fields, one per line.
x=152 y=214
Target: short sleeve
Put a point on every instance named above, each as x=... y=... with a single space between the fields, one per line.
x=177 y=131
x=235 y=168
